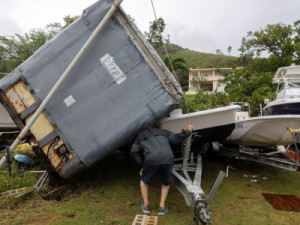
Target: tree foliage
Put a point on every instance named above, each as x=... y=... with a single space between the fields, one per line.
x=229 y=49
x=253 y=83
x=179 y=65
x=297 y=40
x=277 y=40
x=204 y=100
x=219 y=52
x=16 y=49
x=154 y=35
x=281 y=44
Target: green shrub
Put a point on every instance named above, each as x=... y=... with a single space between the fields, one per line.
x=204 y=100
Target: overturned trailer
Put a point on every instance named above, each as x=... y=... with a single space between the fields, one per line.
x=116 y=85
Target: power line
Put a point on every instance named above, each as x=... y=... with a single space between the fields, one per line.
x=169 y=59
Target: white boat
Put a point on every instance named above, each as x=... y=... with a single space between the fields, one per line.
x=264 y=130
x=211 y=125
x=288 y=92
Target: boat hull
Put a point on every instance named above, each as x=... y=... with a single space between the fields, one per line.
x=212 y=134
x=211 y=125
x=265 y=130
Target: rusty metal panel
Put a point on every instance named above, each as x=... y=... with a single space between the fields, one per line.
x=51 y=150
x=119 y=85
x=24 y=94
x=19 y=97
x=15 y=100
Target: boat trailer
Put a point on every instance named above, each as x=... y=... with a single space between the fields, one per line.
x=191 y=189
x=279 y=156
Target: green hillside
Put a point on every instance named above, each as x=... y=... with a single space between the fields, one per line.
x=199 y=59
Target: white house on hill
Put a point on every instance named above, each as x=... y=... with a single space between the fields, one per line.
x=207 y=79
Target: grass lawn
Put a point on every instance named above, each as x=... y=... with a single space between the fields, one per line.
x=110 y=195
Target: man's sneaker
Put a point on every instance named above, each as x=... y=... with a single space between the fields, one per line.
x=145 y=208
x=162 y=211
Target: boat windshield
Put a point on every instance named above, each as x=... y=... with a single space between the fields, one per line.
x=286 y=85
x=282 y=86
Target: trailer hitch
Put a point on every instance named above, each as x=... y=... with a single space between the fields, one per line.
x=191 y=188
x=202 y=210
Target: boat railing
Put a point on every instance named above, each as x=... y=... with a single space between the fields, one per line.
x=242 y=114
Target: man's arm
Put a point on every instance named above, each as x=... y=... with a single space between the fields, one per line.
x=135 y=153
x=177 y=138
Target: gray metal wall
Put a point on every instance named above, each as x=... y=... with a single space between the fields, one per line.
x=117 y=86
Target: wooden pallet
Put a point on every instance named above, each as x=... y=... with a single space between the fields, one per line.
x=145 y=220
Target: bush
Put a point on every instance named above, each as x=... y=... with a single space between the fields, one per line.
x=204 y=100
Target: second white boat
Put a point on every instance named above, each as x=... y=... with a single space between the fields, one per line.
x=265 y=130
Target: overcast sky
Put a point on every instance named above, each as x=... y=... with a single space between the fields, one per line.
x=201 y=25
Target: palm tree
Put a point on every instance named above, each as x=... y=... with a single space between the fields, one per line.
x=178 y=65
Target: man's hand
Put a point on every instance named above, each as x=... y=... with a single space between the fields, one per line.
x=190 y=127
x=141 y=172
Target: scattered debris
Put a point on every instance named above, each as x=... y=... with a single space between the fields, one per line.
x=13 y=192
x=22 y=158
x=244 y=197
x=25 y=149
x=145 y=220
x=58 y=192
x=264 y=178
x=38 y=186
x=254 y=181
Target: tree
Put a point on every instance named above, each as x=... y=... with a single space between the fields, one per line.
x=277 y=40
x=16 y=49
x=179 y=65
x=154 y=36
x=297 y=41
x=219 y=52
x=229 y=49
x=253 y=83
x=247 y=54
x=281 y=43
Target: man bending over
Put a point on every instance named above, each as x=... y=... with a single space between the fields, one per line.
x=153 y=152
